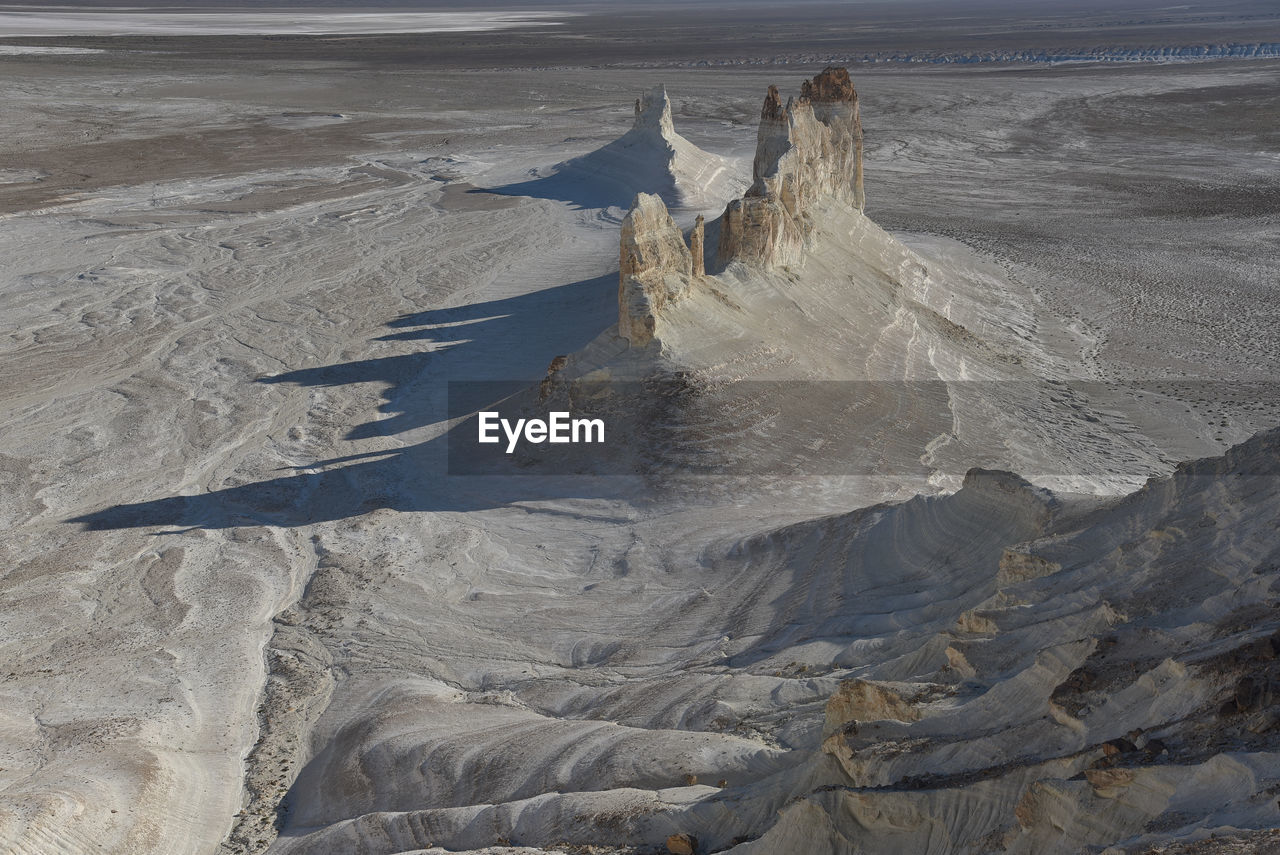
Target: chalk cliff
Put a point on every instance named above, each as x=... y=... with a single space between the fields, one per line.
x=807 y=150
x=653 y=113
x=655 y=267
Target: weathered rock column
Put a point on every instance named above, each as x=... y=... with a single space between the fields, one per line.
x=696 y=237
x=654 y=267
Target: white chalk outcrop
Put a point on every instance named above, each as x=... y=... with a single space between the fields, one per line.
x=686 y=176
x=808 y=155
x=804 y=285
x=918 y=695
x=655 y=267
x=808 y=159
x=805 y=151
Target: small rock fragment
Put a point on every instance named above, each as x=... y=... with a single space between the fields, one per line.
x=863 y=700
x=1249 y=693
x=682 y=844
x=1107 y=783
x=1118 y=746
x=1263 y=721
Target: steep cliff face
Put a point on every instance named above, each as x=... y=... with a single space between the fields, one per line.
x=807 y=150
x=655 y=267
x=696 y=239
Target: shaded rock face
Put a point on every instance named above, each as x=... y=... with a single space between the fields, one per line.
x=651 y=157
x=696 y=238
x=655 y=268
x=807 y=150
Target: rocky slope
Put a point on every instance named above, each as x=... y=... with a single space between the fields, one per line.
x=989 y=671
x=1001 y=669
x=237 y=555
x=1106 y=681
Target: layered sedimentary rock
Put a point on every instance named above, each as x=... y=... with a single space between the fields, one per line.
x=808 y=150
x=655 y=268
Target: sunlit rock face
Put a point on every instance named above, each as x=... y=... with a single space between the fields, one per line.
x=807 y=150
x=655 y=267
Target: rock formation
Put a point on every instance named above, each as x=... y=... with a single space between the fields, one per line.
x=696 y=238
x=653 y=113
x=682 y=844
x=655 y=268
x=861 y=700
x=810 y=149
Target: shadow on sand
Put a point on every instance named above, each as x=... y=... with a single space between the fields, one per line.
x=510 y=339
x=610 y=176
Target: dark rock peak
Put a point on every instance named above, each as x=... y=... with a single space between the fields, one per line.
x=833 y=84
x=772 y=104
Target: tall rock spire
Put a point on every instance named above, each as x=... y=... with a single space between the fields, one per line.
x=809 y=149
x=653 y=112
x=696 y=238
x=655 y=268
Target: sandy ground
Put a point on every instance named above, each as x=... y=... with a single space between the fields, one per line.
x=241 y=598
